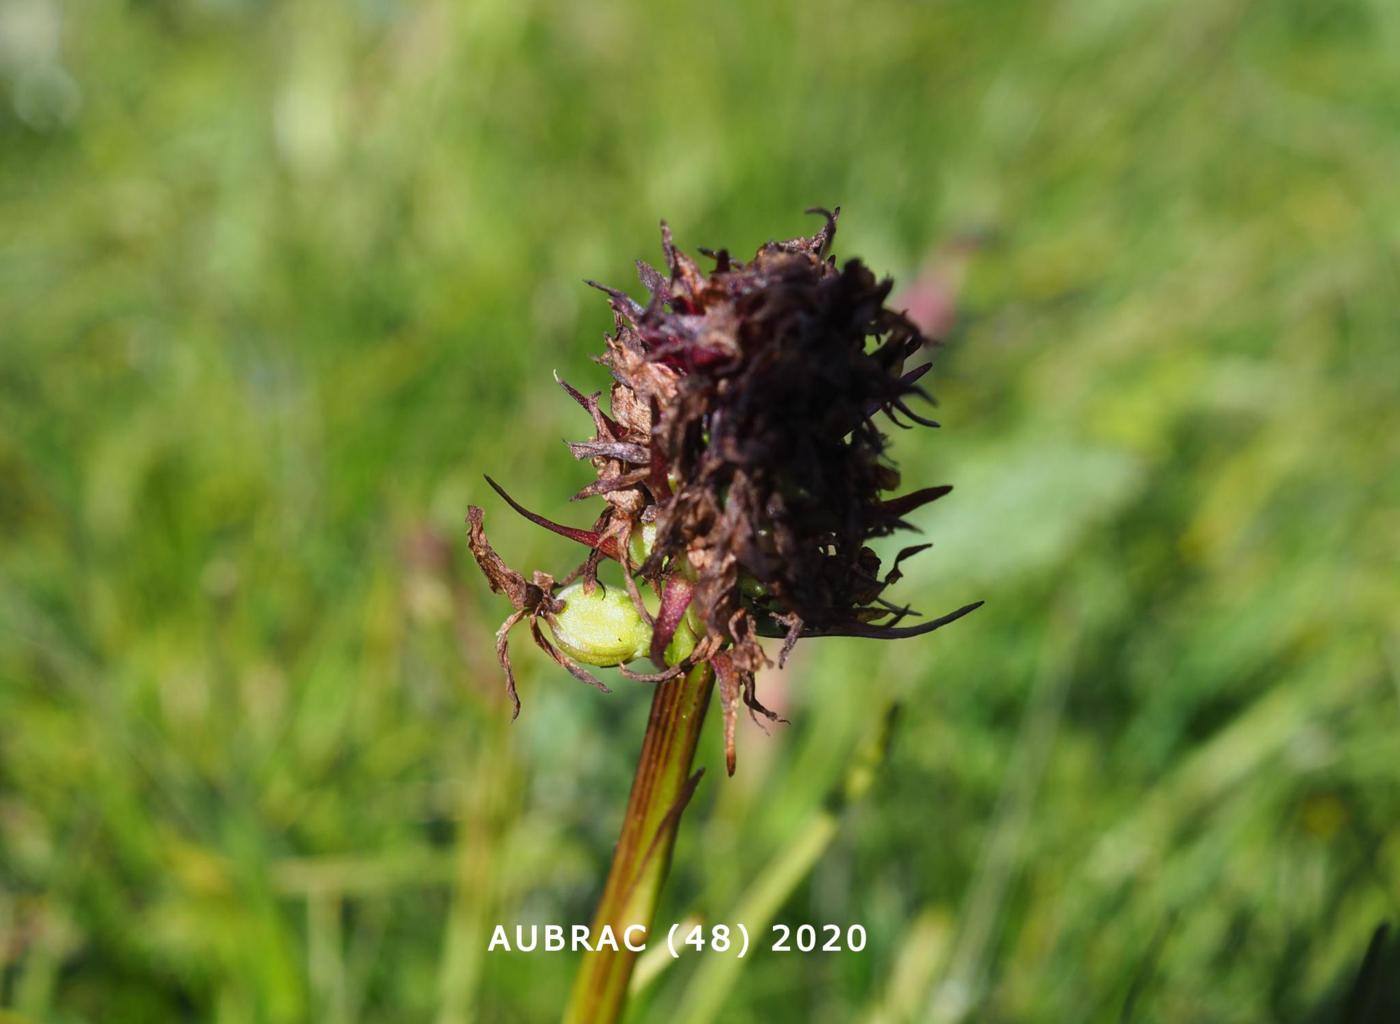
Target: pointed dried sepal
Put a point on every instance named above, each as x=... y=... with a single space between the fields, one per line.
x=907 y=503
x=588 y=538
x=887 y=633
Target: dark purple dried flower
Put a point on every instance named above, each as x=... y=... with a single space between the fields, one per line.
x=742 y=427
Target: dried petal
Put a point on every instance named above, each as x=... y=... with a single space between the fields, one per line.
x=728 y=678
x=503 y=656
x=675 y=599
x=501 y=577
x=620 y=450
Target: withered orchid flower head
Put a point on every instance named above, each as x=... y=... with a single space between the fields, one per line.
x=742 y=466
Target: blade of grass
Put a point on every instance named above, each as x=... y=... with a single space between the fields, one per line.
x=717 y=974
x=962 y=986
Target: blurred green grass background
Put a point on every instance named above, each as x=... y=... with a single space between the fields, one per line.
x=279 y=281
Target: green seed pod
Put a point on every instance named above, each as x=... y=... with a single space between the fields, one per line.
x=601 y=628
x=604 y=629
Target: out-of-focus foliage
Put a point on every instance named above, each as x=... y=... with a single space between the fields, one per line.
x=278 y=281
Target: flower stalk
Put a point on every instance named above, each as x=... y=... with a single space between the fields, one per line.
x=661 y=788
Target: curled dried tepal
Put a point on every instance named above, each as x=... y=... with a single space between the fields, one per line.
x=743 y=471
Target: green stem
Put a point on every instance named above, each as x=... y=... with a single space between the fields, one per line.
x=642 y=858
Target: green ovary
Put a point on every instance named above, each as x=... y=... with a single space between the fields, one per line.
x=639 y=546
x=604 y=629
